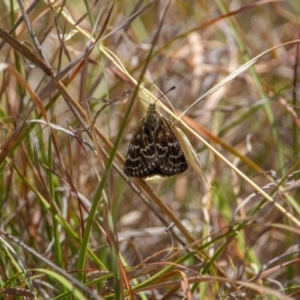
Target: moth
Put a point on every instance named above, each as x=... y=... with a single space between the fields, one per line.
x=154 y=148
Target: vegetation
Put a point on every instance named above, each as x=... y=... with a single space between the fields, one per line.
x=75 y=79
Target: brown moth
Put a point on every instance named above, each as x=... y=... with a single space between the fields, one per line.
x=154 y=149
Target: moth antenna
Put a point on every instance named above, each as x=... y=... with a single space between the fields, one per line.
x=170 y=89
x=162 y=95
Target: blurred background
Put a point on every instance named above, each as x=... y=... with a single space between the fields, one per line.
x=62 y=193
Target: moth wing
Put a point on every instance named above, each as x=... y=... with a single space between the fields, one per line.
x=141 y=158
x=170 y=155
